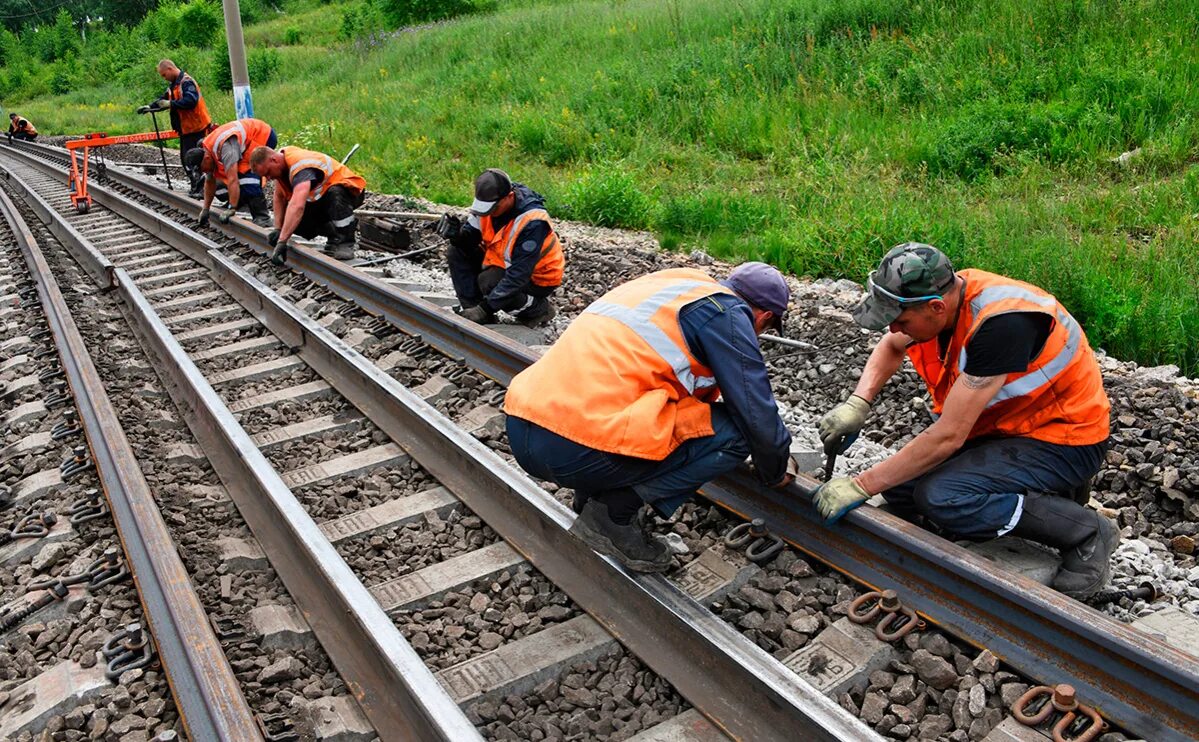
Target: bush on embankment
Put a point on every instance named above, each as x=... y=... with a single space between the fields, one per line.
x=811 y=133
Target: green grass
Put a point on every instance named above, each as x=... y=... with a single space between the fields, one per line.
x=811 y=133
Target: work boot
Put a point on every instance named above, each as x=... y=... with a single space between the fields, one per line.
x=260 y=213
x=539 y=313
x=628 y=544
x=341 y=247
x=1085 y=540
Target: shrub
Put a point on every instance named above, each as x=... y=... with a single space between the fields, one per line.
x=608 y=195
x=291 y=37
x=408 y=12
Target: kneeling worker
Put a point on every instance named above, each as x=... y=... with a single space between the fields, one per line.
x=20 y=128
x=224 y=158
x=314 y=195
x=507 y=256
x=623 y=408
x=1023 y=418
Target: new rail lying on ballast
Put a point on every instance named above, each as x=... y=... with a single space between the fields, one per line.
x=1136 y=680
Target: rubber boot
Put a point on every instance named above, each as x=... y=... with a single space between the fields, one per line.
x=260 y=213
x=1084 y=538
x=539 y=313
x=627 y=544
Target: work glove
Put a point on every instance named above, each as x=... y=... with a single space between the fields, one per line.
x=204 y=217
x=143 y=109
x=272 y=237
x=479 y=315
x=840 y=427
x=161 y=104
x=448 y=226
x=279 y=255
x=837 y=497
x=224 y=215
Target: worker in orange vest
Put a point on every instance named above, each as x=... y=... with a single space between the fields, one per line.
x=1021 y=416
x=624 y=407
x=314 y=195
x=507 y=257
x=20 y=128
x=224 y=159
x=189 y=115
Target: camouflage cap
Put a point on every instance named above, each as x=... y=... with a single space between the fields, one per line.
x=909 y=274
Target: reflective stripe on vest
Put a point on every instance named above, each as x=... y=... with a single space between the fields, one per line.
x=325 y=165
x=1044 y=375
x=638 y=319
x=514 y=230
x=236 y=129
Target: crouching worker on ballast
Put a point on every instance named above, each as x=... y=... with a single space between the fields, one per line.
x=314 y=195
x=507 y=256
x=622 y=408
x=1022 y=418
x=224 y=159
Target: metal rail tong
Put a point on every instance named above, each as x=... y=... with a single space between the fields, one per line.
x=760 y=544
x=1077 y=723
x=897 y=620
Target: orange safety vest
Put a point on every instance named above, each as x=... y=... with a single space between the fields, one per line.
x=193 y=119
x=621 y=378
x=249 y=133
x=498 y=246
x=335 y=173
x=1058 y=399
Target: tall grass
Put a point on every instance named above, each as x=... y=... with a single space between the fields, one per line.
x=813 y=133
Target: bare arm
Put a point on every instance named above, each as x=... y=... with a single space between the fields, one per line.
x=234 y=187
x=295 y=210
x=966 y=401
x=885 y=360
x=209 y=191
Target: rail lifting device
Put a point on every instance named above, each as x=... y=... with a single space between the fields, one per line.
x=78 y=177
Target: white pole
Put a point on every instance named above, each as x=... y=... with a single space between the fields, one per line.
x=243 y=104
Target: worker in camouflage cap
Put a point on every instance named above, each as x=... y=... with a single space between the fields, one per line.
x=1020 y=416
x=909 y=274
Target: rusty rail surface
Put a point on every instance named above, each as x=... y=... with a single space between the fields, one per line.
x=205 y=690
x=1138 y=681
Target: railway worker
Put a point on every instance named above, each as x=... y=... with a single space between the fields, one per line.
x=224 y=158
x=20 y=128
x=314 y=195
x=189 y=116
x=623 y=407
x=507 y=256
x=1022 y=422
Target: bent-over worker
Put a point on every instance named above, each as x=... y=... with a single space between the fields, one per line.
x=314 y=195
x=224 y=159
x=507 y=256
x=623 y=407
x=20 y=128
x=1022 y=422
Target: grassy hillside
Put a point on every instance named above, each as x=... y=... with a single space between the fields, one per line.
x=810 y=133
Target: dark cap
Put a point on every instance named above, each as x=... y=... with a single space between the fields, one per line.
x=194 y=157
x=491 y=185
x=763 y=286
x=909 y=274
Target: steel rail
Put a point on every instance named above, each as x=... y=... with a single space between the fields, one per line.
x=1138 y=681
x=205 y=690
x=400 y=696
x=742 y=689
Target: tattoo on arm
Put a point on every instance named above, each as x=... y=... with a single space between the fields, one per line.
x=976 y=382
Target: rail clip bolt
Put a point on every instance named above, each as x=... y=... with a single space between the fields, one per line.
x=1064 y=698
x=889 y=601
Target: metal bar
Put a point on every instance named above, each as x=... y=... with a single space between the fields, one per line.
x=743 y=690
x=205 y=690
x=398 y=214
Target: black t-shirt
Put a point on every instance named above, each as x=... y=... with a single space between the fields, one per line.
x=316 y=175
x=1005 y=344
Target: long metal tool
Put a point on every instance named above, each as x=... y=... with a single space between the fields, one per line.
x=206 y=691
x=161 y=150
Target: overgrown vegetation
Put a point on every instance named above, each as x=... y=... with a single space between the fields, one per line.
x=811 y=133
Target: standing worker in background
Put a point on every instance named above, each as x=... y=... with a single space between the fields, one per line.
x=1022 y=422
x=189 y=115
x=224 y=159
x=507 y=256
x=314 y=195
x=623 y=407
x=20 y=128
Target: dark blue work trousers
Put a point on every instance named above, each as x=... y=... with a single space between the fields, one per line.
x=978 y=492
x=665 y=484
